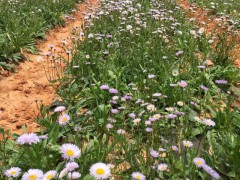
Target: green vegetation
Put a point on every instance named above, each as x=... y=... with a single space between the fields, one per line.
x=22 y=22
x=141 y=95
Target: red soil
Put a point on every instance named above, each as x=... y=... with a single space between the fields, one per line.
x=20 y=90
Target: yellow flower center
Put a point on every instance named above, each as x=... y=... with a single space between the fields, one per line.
x=13 y=172
x=187 y=144
x=50 y=176
x=32 y=177
x=100 y=171
x=199 y=162
x=162 y=168
x=138 y=177
x=64 y=119
x=69 y=152
x=180 y=103
x=156 y=116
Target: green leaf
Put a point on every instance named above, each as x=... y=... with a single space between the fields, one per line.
x=192 y=115
x=231 y=174
x=1 y=130
x=88 y=177
x=101 y=120
x=104 y=138
x=53 y=134
x=197 y=131
x=235 y=90
x=90 y=145
x=111 y=74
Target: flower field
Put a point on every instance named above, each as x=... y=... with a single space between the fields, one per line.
x=22 y=21
x=147 y=94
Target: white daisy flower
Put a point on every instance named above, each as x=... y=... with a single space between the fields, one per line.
x=115 y=98
x=187 y=144
x=13 y=172
x=154 y=153
x=138 y=176
x=64 y=119
x=151 y=107
x=169 y=109
x=60 y=109
x=136 y=121
x=109 y=126
x=180 y=103
x=73 y=175
x=199 y=162
x=174 y=148
x=201 y=30
x=157 y=95
x=156 y=116
x=28 y=138
x=151 y=76
x=129 y=27
x=71 y=166
x=175 y=72
x=100 y=171
x=63 y=173
x=50 y=175
x=70 y=151
x=162 y=167
x=121 y=131
x=148 y=122
x=33 y=174
x=182 y=84
x=209 y=122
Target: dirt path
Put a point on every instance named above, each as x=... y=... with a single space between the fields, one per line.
x=212 y=25
x=20 y=90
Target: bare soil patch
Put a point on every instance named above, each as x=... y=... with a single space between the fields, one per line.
x=20 y=91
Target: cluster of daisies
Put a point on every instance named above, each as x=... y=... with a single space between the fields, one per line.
x=69 y=153
x=98 y=171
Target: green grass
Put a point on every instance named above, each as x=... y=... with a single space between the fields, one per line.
x=22 y=22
